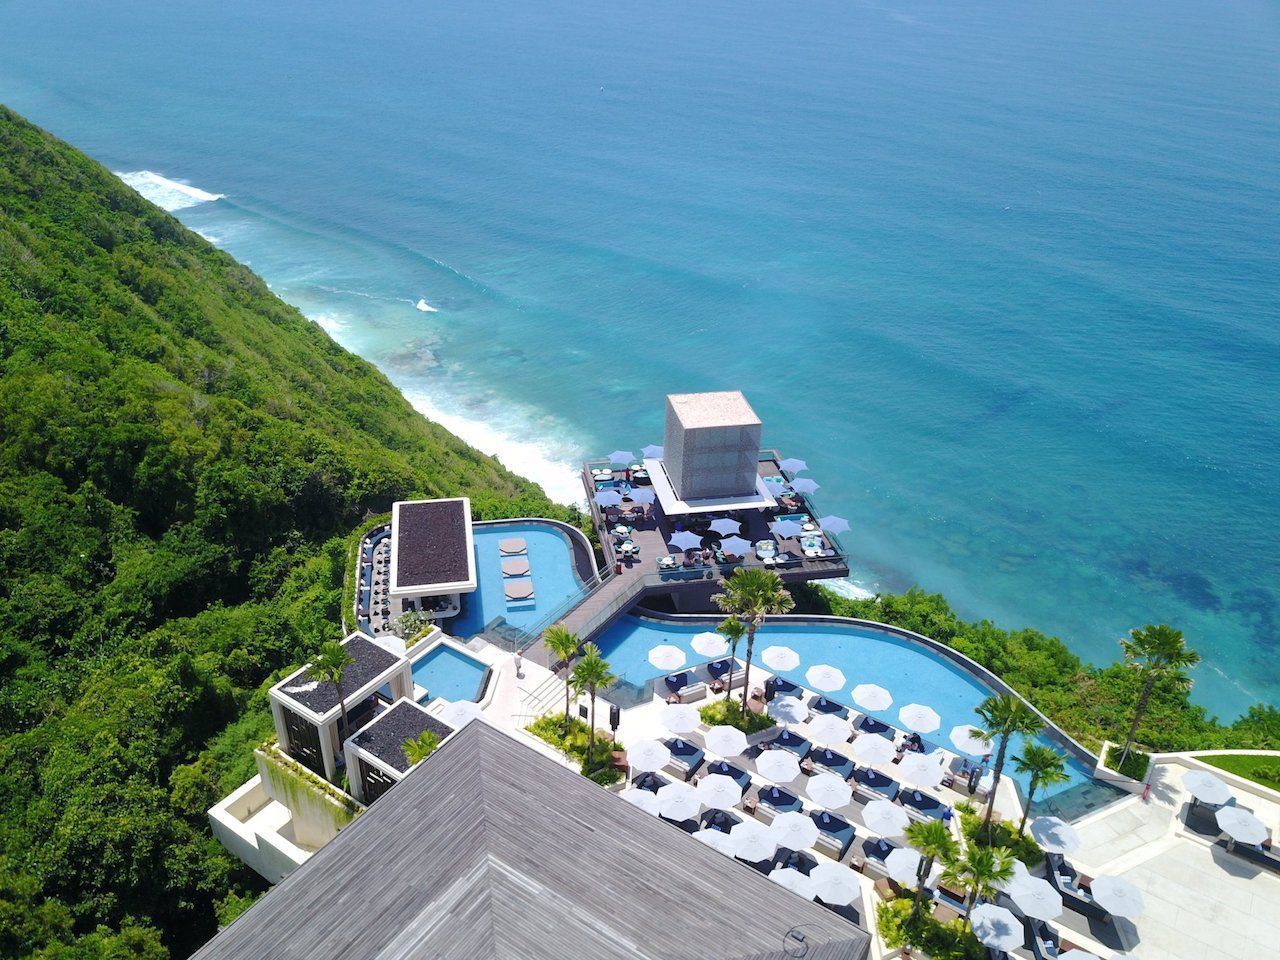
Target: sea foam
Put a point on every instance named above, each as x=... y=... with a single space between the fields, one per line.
x=424 y=306
x=165 y=193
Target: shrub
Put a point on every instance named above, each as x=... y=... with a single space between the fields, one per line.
x=941 y=941
x=1000 y=833
x=730 y=712
x=1134 y=766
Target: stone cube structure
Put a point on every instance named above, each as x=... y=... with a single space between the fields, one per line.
x=712 y=445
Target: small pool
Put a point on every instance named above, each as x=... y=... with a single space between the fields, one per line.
x=444 y=672
x=552 y=570
x=908 y=671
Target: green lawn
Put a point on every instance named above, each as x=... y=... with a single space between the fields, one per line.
x=1263 y=770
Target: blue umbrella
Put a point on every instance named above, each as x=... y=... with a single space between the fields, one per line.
x=786 y=528
x=621 y=456
x=804 y=485
x=608 y=498
x=725 y=525
x=685 y=540
x=793 y=465
x=735 y=545
x=833 y=524
x=652 y=451
x=641 y=495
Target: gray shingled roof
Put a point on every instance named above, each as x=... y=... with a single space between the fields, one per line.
x=385 y=737
x=491 y=850
x=431 y=543
x=370 y=661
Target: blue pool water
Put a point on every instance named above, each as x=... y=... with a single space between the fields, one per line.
x=449 y=674
x=910 y=673
x=1004 y=273
x=555 y=578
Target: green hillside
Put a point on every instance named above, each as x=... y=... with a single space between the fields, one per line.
x=181 y=454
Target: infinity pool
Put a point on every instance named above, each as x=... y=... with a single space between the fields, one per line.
x=444 y=672
x=552 y=570
x=909 y=672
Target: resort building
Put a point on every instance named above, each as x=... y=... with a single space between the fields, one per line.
x=490 y=850
x=432 y=556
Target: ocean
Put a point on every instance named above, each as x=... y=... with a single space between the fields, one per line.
x=1005 y=275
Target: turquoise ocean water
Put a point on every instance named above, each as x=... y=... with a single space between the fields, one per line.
x=1004 y=274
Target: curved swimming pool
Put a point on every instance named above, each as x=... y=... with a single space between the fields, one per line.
x=553 y=572
x=907 y=669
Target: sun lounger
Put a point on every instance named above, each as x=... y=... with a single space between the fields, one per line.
x=719 y=820
x=789 y=740
x=1044 y=942
x=837 y=763
x=873 y=784
x=512 y=546
x=650 y=781
x=692 y=693
x=726 y=769
x=873 y=853
x=779 y=686
x=820 y=704
x=686 y=757
x=921 y=806
x=1066 y=880
x=835 y=834
x=786 y=859
x=778 y=799
x=515 y=567
x=869 y=724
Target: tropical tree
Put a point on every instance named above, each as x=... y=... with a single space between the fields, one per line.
x=330 y=665
x=933 y=840
x=978 y=872
x=1160 y=654
x=563 y=644
x=420 y=747
x=590 y=674
x=751 y=594
x=1002 y=717
x=1046 y=766
x=731 y=629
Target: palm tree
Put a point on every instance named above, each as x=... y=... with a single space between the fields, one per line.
x=731 y=629
x=1002 y=717
x=330 y=665
x=933 y=841
x=1159 y=653
x=564 y=646
x=1046 y=767
x=752 y=594
x=978 y=872
x=589 y=675
x=420 y=747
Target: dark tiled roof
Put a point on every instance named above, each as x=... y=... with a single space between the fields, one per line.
x=385 y=737
x=371 y=660
x=491 y=850
x=431 y=543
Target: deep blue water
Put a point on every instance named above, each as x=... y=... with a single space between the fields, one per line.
x=1003 y=273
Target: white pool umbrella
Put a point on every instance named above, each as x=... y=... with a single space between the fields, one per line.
x=677 y=801
x=725 y=525
x=680 y=717
x=793 y=465
x=1036 y=898
x=969 y=739
x=718 y=792
x=1020 y=873
x=828 y=790
x=1117 y=896
x=921 y=770
x=795 y=831
x=1241 y=825
x=753 y=841
x=804 y=485
x=651 y=451
x=824 y=677
x=642 y=495
x=903 y=865
x=737 y=546
x=780 y=658
x=1206 y=787
x=709 y=644
x=459 y=713
x=834 y=884
x=996 y=927
x=685 y=540
x=716 y=839
x=833 y=524
x=666 y=656
x=785 y=528
x=872 y=748
x=622 y=456
x=885 y=818
x=648 y=756
x=780 y=766
x=726 y=741
x=608 y=498
x=871 y=697
x=788 y=710
x=793 y=880
x=1078 y=954
x=1054 y=835
x=828 y=728
x=918 y=717
x=646 y=800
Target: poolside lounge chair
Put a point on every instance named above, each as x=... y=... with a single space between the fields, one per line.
x=650 y=781
x=685 y=687
x=512 y=546
x=835 y=834
x=736 y=774
x=1066 y=880
x=921 y=806
x=778 y=800
x=786 y=859
x=515 y=567
x=693 y=692
x=779 y=686
x=1044 y=942
x=873 y=784
x=686 y=757
x=837 y=763
x=869 y=724
x=820 y=704
x=873 y=853
x=789 y=740
x=721 y=820
x=678 y=681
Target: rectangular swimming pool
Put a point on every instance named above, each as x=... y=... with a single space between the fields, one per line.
x=449 y=674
